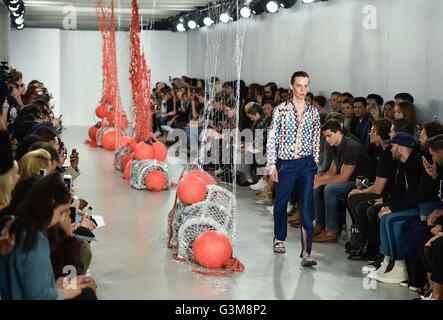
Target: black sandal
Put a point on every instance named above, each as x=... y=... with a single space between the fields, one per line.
x=279 y=246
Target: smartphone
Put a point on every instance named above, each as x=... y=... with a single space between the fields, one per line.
x=441 y=190
x=425 y=161
x=43 y=172
x=67 y=179
x=72 y=214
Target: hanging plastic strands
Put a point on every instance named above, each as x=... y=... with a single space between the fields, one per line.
x=140 y=77
x=110 y=105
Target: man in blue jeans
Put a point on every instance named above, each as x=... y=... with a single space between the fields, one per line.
x=349 y=162
x=293 y=153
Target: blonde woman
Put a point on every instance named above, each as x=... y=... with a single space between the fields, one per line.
x=31 y=163
x=8 y=181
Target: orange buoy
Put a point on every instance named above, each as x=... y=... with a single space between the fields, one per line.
x=133 y=144
x=109 y=140
x=127 y=171
x=155 y=180
x=206 y=177
x=212 y=249
x=101 y=111
x=144 y=151
x=160 y=151
x=123 y=141
x=191 y=189
x=92 y=133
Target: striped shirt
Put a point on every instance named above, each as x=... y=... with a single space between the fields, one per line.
x=292 y=136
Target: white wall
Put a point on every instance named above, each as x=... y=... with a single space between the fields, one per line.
x=327 y=39
x=4 y=32
x=36 y=53
x=70 y=64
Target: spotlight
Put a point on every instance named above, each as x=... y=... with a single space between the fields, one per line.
x=287 y=3
x=245 y=12
x=181 y=27
x=308 y=1
x=225 y=17
x=272 y=6
x=192 y=24
x=256 y=7
x=208 y=21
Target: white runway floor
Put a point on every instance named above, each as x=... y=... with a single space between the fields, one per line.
x=131 y=259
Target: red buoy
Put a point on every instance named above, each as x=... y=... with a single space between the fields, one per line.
x=191 y=189
x=160 y=151
x=109 y=140
x=155 y=180
x=212 y=249
x=144 y=151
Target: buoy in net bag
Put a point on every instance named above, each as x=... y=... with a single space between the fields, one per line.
x=191 y=189
x=160 y=151
x=109 y=139
x=155 y=180
x=101 y=111
x=206 y=177
x=144 y=151
x=123 y=141
x=212 y=249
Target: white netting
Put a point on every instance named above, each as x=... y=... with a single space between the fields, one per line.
x=140 y=169
x=224 y=47
x=216 y=212
x=118 y=157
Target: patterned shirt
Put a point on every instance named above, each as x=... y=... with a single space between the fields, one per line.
x=291 y=136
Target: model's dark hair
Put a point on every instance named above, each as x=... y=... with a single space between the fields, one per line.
x=296 y=74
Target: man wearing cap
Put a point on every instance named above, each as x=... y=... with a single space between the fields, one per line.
x=408 y=173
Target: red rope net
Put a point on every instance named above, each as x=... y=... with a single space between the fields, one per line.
x=140 y=77
x=110 y=87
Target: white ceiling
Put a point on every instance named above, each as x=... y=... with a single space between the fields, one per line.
x=49 y=13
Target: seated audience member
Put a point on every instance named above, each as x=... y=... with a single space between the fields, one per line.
x=309 y=99
x=31 y=163
x=434 y=261
x=334 y=105
x=320 y=103
x=402 y=125
x=349 y=161
x=259 y=134
x=417 y=232
x=408 y=173
x=361 y=200
x=375 y=105
x=406 y=110
x=7 y=183
x=348 y=111
x=403 y=97
x=268 y=108
x=389 y=110
x=269 y=91
x=362 y=121
x=343 y=96
x=430 y=130
x=27 y=271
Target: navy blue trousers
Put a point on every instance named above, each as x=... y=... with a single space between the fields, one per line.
x=295 y=176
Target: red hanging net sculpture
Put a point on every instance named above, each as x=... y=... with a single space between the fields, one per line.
x=140 y=77
x=110 y=108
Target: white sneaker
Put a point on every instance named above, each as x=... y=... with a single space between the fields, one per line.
x=396 y=275
x=260 y=185
x=270 y=209
x=380 y=271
